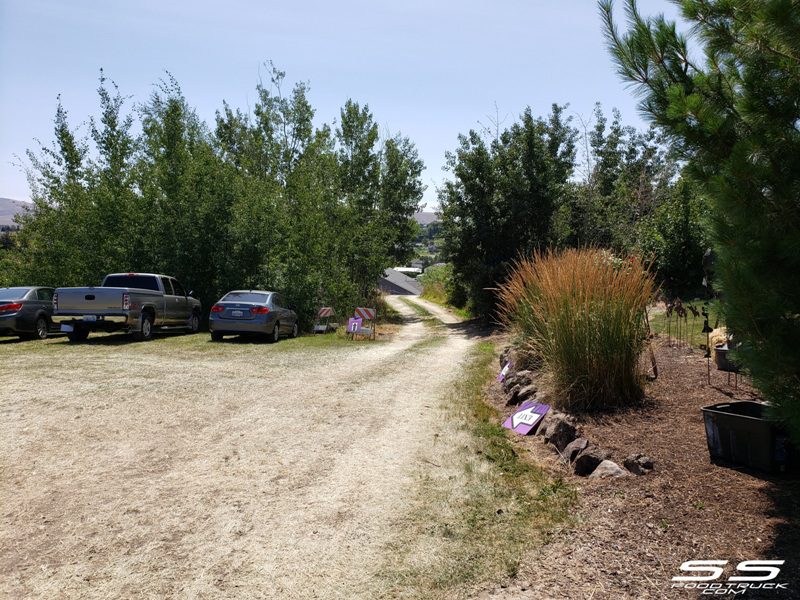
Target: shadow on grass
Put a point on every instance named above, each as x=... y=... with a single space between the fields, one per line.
x=119 y=339
x=247 y=339
x=474 y=328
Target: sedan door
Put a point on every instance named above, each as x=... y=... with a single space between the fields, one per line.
x=45 y=301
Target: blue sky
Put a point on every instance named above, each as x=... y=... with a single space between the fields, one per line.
x=428 y=69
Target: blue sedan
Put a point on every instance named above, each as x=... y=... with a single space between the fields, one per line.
x=243 y=312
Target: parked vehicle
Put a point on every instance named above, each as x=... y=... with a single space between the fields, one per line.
x=26 y=312
x=252 y=312
x=137 y=303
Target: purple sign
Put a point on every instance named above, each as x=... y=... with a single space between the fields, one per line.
x=527 y=417
x=354 y=325
x=504 y=373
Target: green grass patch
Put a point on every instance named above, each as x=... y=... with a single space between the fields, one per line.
x=437 y=286
x=482 y=508
x=691 y=328
x=170 y=343
x=421 y=311
x=387 y=314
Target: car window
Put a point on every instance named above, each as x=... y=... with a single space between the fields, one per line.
x=13 y=293
x=245 y=297
x=277 y=301
x=139 y=282
x=45 y=294
x=179 y=291
x=167 y=286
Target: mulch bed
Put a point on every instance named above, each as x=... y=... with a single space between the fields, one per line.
x=633 y=533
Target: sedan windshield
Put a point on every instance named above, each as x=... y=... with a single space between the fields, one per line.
x=245 y=297
x=13 y=293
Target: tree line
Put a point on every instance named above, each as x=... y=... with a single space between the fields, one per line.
x=260 y=199
x=561 y=181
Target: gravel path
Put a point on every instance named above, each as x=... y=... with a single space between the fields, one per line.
x=136 y=470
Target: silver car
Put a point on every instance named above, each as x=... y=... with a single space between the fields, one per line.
x=252 y=312
x=26 y=312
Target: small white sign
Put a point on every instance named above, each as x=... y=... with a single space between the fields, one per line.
x=525 y=417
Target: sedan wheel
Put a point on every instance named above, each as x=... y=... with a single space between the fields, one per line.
x=276 y=333
x=41 y=328
x=194 y=323
x=294 y=330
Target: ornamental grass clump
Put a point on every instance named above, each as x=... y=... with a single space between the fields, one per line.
x=581 y=313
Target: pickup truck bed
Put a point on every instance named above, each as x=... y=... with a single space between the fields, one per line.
x=150 y=301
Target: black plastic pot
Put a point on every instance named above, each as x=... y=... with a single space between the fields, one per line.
x=740 y=434
x=722 y=361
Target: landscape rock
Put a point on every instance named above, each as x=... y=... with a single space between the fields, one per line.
x=639 y=464
x=560 y=430
x=589 y=459
x=608 y=468
x=520 y=393
x=574 y=448
x=512 y=395
x=521 y=378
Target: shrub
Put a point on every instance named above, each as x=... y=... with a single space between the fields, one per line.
x=581 y=313
x=437 y=283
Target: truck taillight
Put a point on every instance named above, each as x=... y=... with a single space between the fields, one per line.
x=55 y=301
x=217 y=308
x=259 y=310
x=126 y=301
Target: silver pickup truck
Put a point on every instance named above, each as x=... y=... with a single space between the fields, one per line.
x=133 y=302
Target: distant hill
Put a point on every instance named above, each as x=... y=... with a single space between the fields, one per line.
x=9 y=208
x=426 y=218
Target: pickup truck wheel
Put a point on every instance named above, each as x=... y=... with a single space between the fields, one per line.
x=146 y=332
x=276 y=333
x=78 y=334
x=295 y=331
x=194 y=323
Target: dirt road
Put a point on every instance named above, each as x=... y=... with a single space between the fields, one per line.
x=188 y=469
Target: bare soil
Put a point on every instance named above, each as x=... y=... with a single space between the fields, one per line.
x=180 y=468
x=633 y=533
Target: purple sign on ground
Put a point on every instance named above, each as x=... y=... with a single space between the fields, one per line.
x=504 y=373
x=527 y=417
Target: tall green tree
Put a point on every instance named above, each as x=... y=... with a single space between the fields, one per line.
x=359 y=179
x=52 y=244
x=401 y=192
x=735 y=119
x=502 y=198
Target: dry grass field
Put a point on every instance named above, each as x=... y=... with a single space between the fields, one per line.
x=190 y=469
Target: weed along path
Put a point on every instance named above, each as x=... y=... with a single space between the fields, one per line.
x=190 y=469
